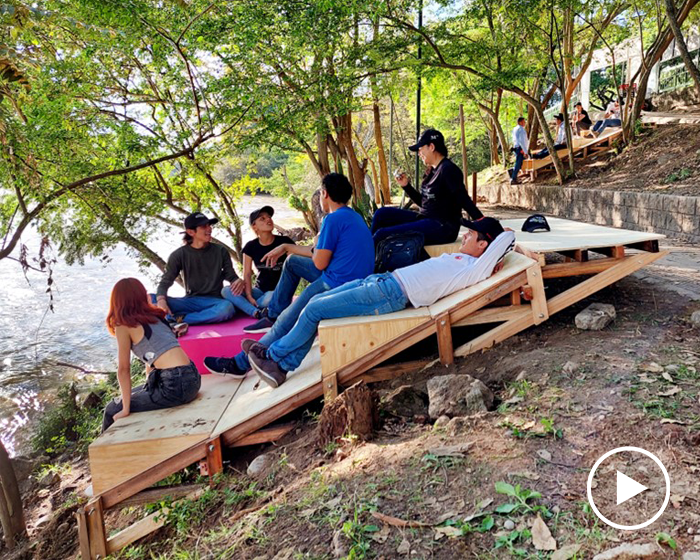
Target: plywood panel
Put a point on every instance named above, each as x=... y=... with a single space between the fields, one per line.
x=345 y=340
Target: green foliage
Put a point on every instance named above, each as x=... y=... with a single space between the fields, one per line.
x=679 y=175
x=520 y=498
x=665 y=538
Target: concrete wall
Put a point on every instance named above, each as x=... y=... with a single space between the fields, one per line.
x=673 y=216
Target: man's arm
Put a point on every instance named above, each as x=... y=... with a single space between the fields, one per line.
x=405 y=183
x=172 y=269
x=237 y=285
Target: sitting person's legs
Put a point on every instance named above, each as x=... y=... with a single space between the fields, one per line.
x=200 y=310
x=378 y=294
x=388 y=216
x=434 y=232
x=241 y=302
x=295 y=268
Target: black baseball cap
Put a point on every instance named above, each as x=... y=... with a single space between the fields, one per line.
x=196 y=219
x=559 y=116
x=535 y=222
x=490 y=227
x=430 y=136
x=255 y=214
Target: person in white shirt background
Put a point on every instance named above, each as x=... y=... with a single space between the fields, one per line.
x=559 y=141
x=612 y=118
x=520 y=148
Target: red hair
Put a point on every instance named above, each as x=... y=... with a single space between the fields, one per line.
x=130 y=306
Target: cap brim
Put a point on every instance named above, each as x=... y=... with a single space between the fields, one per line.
x=269 y=209
x=468 y=224
x=414 y=148
x=212 y=221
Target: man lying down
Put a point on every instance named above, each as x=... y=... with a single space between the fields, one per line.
x=484 y=245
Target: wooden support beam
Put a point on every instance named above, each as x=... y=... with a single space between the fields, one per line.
x=97 y=536
x=212 y=463
x=266 y=435
x=562 y=270
x=492 y=315
x=497 y=334
x=539 y=299
x=444 y=338
x=651 y=246
x=515 y=297
x=578 y=255
x=330 y=387
x=617 y=252
x=468 y=307
x=83 y=534
x=153 y=495
x=384 y=373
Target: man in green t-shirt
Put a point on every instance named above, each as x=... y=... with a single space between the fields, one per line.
x=205 y=266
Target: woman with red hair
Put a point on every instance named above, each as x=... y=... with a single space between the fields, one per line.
x=140 y=327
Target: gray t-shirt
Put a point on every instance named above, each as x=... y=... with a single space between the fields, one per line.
x=204 y=270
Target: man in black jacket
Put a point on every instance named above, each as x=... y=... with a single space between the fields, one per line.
x=441 y=198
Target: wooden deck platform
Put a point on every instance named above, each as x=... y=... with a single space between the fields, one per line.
x=670 y=117
x=142 y=449
x=583 y=147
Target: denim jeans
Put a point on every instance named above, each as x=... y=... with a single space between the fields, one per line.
x=199 y=310
x=164 y=388
x=519 y=156
x=545 y=152
x=390 y=221
x=599 y=127
x=262 y=299
x=378 y=294
x=295 y=268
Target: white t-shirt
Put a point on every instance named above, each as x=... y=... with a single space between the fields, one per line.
x=431 y=280
x=613 y=111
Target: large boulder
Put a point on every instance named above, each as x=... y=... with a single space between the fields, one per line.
x=457 y=395
x=406 y=402
x=595 y=317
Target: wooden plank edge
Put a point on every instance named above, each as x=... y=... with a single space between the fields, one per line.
x=266 y=435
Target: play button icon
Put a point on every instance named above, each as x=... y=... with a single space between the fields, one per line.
x=627 y=488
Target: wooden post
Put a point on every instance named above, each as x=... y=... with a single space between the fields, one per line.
x=474 y=187
x=214 y=463
x=330 y=388
x=83 y=535
x=465 y=163
x=97 y=536
x=11 y=514
x=444 y=336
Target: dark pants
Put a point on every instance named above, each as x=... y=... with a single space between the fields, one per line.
x=519 y=157
x=544 y=153
x=582 y=126
x=390 y=221
x=164 y=388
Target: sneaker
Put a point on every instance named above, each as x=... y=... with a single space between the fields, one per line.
x=261 y=326
x=268 y=370
x=180 y=329
x=224 y=366
x=248 y=343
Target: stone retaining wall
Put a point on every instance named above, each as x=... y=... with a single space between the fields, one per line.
x=671 y=215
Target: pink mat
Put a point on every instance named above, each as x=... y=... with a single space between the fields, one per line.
x=220 y=339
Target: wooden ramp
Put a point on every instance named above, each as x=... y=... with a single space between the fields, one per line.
x=143 y=449
x=583 y=147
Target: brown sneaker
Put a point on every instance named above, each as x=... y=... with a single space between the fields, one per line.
x=246 y=344
x=268 y=370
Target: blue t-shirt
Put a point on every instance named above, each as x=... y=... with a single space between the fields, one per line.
x=345 y=233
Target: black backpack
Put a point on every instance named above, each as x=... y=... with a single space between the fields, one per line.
x=398 y=251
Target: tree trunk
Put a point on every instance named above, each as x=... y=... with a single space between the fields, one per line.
x=384 y=189
x=680 y=42
x=354 y=412
x=550 y=143
x=356 y=172
x=498 y=133
x=11 y=514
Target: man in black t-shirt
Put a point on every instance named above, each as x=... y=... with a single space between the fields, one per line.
x=441 y=199
x=255 y=298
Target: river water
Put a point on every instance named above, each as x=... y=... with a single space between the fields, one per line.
x=34 y=339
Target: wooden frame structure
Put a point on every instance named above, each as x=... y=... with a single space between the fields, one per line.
x=235 y=413
x=583 y=147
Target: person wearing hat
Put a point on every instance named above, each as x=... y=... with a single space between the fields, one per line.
x=441 y=199
x=612 y=118
x=255 y=298
x=483 y=245
x=205 y=266
x=559 y=141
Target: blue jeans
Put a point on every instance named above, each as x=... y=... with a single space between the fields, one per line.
x=295 y=268
x=378 y=294
x=199 y=310
x=519 y=156
x=599 y=127
x=262 y=299
x=390 y=221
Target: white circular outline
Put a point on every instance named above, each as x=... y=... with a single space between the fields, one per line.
x=658 y=513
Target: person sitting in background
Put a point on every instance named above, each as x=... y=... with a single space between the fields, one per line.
x=440 y=201
x=140 y=327
x=205 y=266
x=581 y=119
x=255 y=298
x=344 y=252
x=483 y=245
x=520 y=148
x=559 y=141
x=612 y=118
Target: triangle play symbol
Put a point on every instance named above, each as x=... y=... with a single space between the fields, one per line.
x=627 y=488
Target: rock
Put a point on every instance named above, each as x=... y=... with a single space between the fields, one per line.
x=442 y=421
x=570 y=368
x=23 y=467
x=628 y=551
x=595 y=317
x=92 y=400
x=695 y=318
x=50 y=478
x=509 y=525
x=458 y=425
x=691 y=556
x=457 y=395
x=261 y=464
x=544 y=454
x=406 y=402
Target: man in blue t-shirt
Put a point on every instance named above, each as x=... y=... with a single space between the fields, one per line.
x=344 y=252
